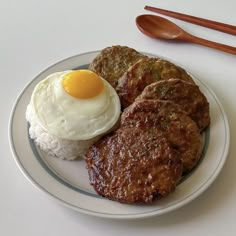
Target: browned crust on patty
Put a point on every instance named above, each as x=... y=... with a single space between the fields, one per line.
x=170 y=120
x=187 y=95
x=112 y=62
x=133 y=166
x=144 y=72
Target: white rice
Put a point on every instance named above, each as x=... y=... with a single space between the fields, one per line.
x=53 y=146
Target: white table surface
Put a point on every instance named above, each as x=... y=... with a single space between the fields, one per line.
x=35 y=34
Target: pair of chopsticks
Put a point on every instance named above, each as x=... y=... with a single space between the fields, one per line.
x=226 y=28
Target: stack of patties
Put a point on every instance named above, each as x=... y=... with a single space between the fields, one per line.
x=159 y=138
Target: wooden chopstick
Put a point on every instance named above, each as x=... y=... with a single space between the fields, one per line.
x=230 y=29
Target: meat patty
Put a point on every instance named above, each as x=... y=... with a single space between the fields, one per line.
x=133 y=166
x=144 y=72
x=170 y=120
x=112 y=62
x=187 y=95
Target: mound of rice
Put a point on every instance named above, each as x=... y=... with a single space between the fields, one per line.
x=53 y=146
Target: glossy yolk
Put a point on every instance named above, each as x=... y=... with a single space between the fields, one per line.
x=82 y=84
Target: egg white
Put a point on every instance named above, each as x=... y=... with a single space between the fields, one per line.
x=71 y=118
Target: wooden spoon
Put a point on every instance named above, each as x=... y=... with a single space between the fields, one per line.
x=159 y=27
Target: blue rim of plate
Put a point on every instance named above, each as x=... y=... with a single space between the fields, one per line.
x=125 y=216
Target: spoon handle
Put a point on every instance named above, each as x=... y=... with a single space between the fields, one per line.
x=211 y=44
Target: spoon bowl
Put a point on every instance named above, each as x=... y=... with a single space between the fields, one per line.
x=158 y=27
x=161 y=28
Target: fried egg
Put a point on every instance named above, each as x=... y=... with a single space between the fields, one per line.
x=75 y=105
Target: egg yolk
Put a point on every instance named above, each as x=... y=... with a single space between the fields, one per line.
x=82 y=84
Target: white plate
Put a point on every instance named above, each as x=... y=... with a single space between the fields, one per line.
x=67 y=181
